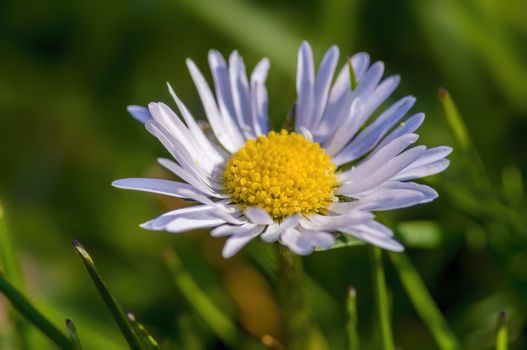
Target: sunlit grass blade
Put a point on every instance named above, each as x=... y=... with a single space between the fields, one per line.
x=26 y=309
x=423 y=302
x=353 y=78
x=111 y=303
x=454 y=120
x=274 y=39
x=351 y=306
x=147 y=341
x=420 y=234
x=381 y=298
x=218 y=322
x=13 y=272
x=502 y=337
x=74 y=337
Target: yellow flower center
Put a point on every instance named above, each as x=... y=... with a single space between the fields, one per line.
x=283 y=173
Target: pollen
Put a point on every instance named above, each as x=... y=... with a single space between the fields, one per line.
x=283 y=173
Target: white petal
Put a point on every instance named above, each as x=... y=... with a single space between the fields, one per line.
x=297 y=242
x=272 y=233
x=374 y=234
x=406 y=127
x=385 y=173
x=259 y=97
x=331 y=222
x=258 y=216
x=185 y=219
x=305 y=87
x=238 y=241
x=189 y=178
x=139 y=113
x=323 y=83
x=166 y=187
x=377 y=160
x=423 y=170
x=241 y=95
x=214 y=152
x=224 y=128
x=368 y=138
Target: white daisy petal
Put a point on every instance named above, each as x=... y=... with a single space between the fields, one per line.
x=384 y=173
x=166 y=187
x=187 y=177
x=224 y=128
x=423 y=170
x=406 y=127
x=297 y=242
x=239 y=240
x=375 y=234
x=272 y=233
x=377 y=159
x=374 y=132
x=139 y=113
x=259 y=98
x=258 y=216
x=305 y=87
x=185 y=219
x=209 y=147
x=323 y=84
x=240 y=95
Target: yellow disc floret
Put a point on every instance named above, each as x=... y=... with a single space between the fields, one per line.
x=283 y=173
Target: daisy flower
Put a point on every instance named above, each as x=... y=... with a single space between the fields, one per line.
x=343 y=160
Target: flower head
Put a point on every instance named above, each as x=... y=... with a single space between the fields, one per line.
x=302 y=187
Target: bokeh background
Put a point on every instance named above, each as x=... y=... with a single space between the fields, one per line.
x=68 y=69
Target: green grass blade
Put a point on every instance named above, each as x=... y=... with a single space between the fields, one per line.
x=74 y=337
x=218 y=322
x=351 y=306
x=454 y=120
x=13 y=272
x=24 y=307
x=353 y=78
x=111 y=303
x=381 y=297
x=147 y=341
x=423 y=302
x=502 y=337
x=261 y=32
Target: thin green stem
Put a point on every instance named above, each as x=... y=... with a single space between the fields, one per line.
x=289 y=281
x=423 y=302
x=351 y=306
x=502 y=337
x=74 y=337
x=24 y=307
x=381 y=296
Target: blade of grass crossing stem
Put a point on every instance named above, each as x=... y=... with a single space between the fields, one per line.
x=454 y=119
x=381 y=296
x=74 y=337
x=220 y=324
x=353 y=78
x=147 y=341
x=26 y=309
x=118 y=314
x=423 y=302
x=502 y=337
x=13 y=272
x=351 y=306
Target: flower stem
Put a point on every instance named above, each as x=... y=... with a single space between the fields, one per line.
x=351 y=306
x=381 y=296
x=291 y=295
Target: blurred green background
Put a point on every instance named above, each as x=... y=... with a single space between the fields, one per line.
x=68 y=69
